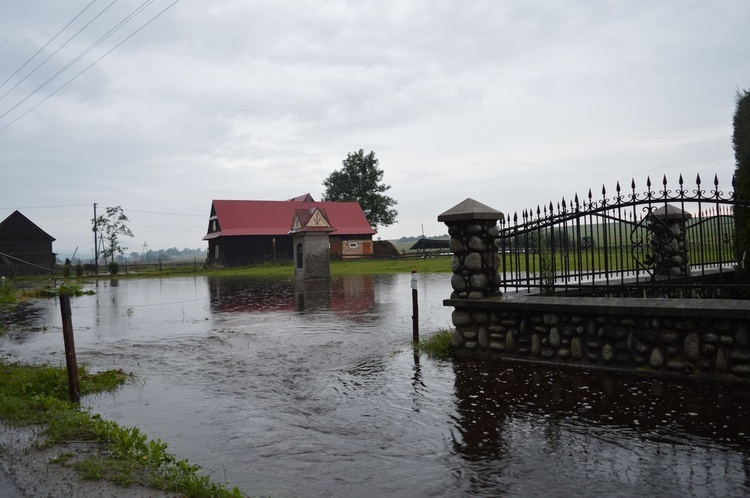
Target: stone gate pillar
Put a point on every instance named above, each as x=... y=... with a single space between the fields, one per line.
x=473 y=230
x=669 y=242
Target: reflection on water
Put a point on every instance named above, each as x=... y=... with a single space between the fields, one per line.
x=351 y=295
x=314 y=390
x=646 y=436
x=315 y=295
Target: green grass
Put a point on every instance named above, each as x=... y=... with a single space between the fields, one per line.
x=38 y=394
x=438 y=264
x=7 y=295
x=438 y=345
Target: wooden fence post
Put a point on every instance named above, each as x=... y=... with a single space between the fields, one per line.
x=70 y=349
x=415 y=307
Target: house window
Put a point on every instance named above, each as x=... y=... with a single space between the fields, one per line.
x=216 y=251
x=353 y=245
x=299 y=256
x=213 y=225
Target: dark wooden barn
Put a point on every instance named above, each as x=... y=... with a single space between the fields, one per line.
x=25 y=249
x=249 y=232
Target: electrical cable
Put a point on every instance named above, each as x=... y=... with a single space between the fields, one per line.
x=109 y=33
x=47 y=207
x=89 y=66
x=53 y=54
x=47 y=44
x=168 y=214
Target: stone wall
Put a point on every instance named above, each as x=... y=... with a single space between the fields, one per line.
x=707 y=339
x=315 y=256
x=687 y=337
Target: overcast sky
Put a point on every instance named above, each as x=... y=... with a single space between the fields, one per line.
x=511 y=103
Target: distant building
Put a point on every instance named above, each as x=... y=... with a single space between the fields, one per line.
x=24 y=247
x=249 y=232
x=434 y=245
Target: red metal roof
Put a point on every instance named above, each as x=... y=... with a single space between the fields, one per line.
x=275 y=217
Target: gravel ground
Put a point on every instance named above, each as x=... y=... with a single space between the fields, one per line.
x=26 y=471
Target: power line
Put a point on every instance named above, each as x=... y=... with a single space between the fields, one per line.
x=109 y=33
x=89 y=66
x=163 y=228
x=46 y=207
x=79 y=222
x=46 y=44
x=52 y=55
x=168 y=214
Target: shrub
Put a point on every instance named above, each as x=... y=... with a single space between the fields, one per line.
x=113 y=267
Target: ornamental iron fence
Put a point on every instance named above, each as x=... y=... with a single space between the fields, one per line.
x=652 y=243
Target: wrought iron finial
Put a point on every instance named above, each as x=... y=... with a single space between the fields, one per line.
x=681 y=191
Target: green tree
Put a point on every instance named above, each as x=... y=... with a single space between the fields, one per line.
x=112 y=226
x=741 y=143
x=360 y=180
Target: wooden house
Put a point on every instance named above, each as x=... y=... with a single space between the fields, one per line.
x=24 y=247
x=249 y=232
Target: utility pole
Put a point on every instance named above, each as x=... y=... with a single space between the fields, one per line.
x=101 y=244
x=96 y=249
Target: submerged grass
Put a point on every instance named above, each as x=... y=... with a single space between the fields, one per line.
x=437 y=264
x=20 y=288
x=438 y=345
x=33 y=394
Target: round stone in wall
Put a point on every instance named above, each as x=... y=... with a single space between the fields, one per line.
x=473 y=262
x=458 y=283
x=478 y=281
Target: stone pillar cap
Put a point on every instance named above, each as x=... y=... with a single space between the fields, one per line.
x=671 y=212
x=469 y=210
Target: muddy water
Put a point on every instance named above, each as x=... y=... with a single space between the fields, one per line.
x=292 y=391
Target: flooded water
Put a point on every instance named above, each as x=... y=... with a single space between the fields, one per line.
x=289 y=391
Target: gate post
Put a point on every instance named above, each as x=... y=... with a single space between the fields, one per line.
x=473 y=230
x=669 y=242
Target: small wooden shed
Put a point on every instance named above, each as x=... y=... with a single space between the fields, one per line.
x=24 y=247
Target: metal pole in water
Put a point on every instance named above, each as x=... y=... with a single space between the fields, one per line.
x=70 y=350
x=414 y=307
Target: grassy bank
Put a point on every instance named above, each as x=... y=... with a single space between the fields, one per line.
x=438 y=345
x=437 y=264
x=39 y=395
